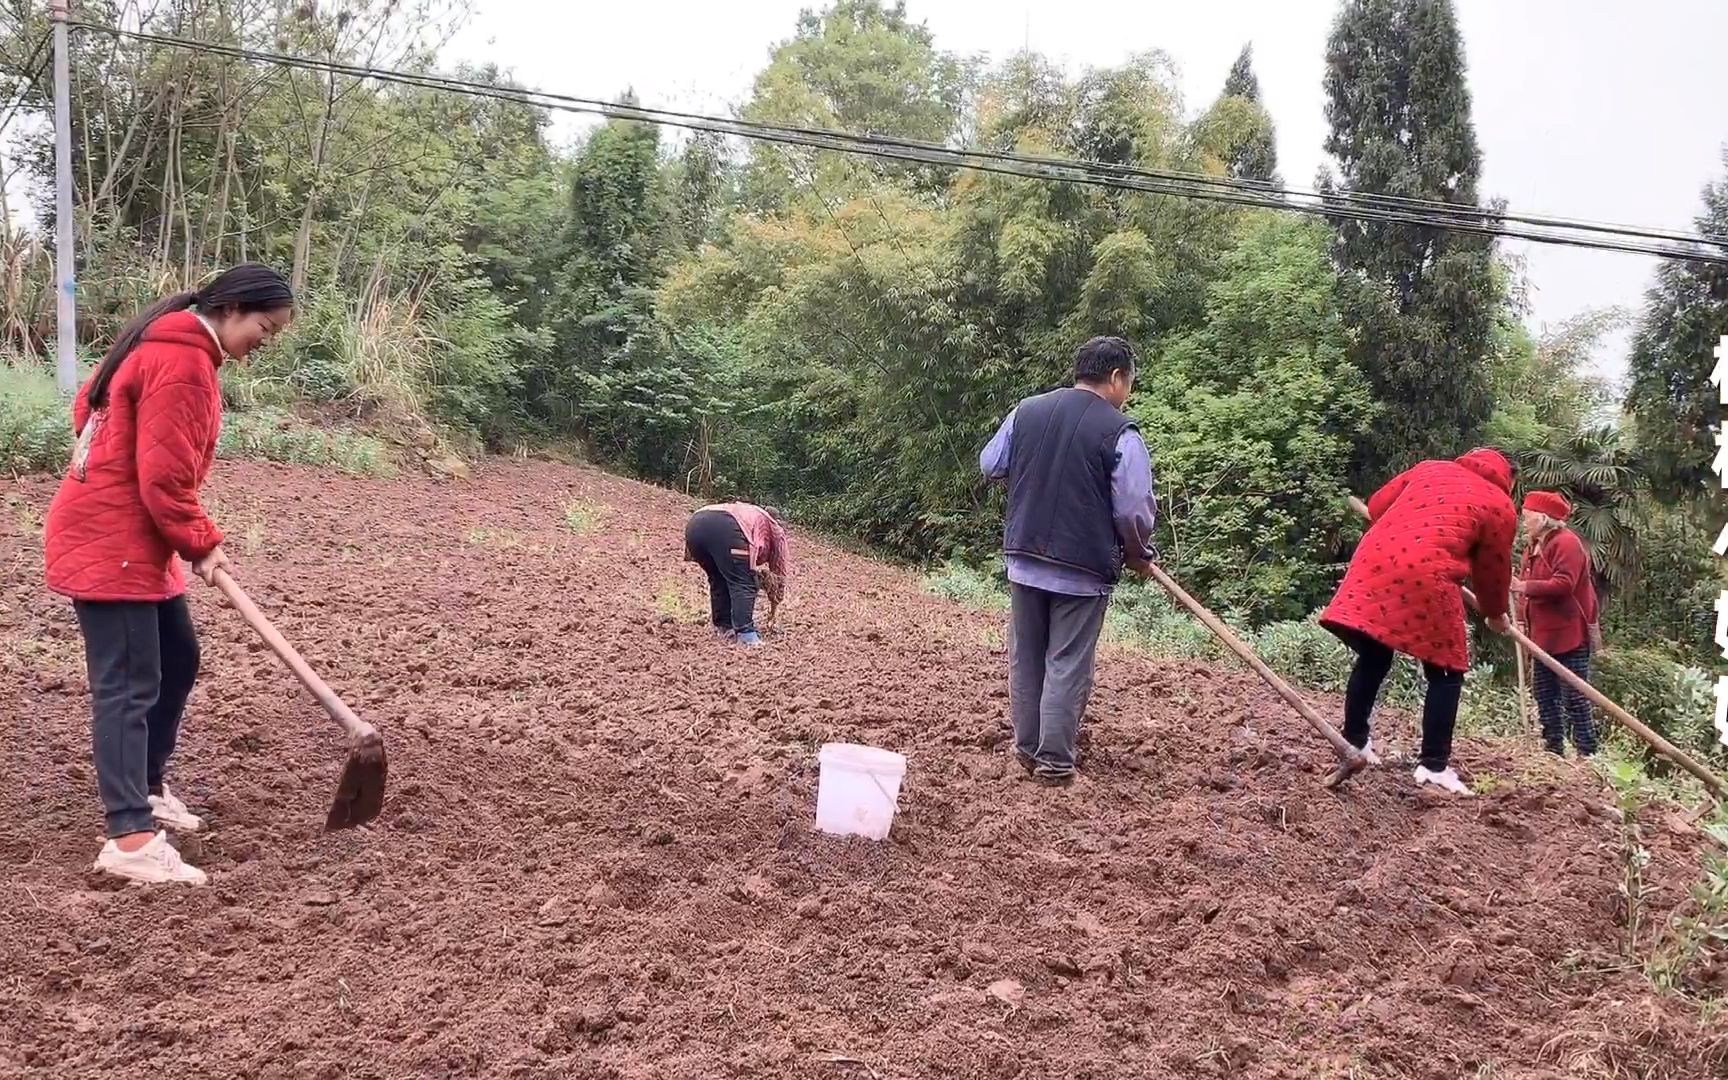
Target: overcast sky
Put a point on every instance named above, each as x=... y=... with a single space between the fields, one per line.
x=1611 y=111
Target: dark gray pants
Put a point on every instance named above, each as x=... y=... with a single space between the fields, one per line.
x=1052 y=648
x=712 y=538
x=142 y=659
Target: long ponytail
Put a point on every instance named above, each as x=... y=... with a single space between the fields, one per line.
x=127 y=340
x=246 y=287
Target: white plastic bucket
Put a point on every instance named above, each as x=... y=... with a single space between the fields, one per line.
x=858 y=789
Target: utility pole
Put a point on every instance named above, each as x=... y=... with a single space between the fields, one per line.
x=65 y=274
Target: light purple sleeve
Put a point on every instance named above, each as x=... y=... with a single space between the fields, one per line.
x=1133 y=498
x=994 y=460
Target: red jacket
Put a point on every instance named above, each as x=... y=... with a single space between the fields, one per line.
x=1559 y=604
x=112 y=532
x=1431 y=528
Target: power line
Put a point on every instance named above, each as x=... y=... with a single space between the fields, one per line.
x=1337 y=205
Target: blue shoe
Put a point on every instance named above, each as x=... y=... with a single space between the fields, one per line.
x=750 y=638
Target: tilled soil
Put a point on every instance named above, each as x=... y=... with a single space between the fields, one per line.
x=597 y=859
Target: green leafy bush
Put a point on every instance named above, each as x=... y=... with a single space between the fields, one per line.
x=1676 y=700
x=968 y=585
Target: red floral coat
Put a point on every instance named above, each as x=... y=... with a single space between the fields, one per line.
x=1431 y=528
x=124 y=512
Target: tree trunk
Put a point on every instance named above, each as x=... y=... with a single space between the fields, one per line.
x=303 y=239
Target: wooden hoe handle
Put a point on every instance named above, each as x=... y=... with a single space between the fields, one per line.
x=341 y=713
x=1346 y=752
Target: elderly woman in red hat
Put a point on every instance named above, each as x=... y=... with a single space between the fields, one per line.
x=1430 y=529
x=1557 y=601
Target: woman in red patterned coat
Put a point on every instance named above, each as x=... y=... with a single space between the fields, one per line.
x=126 y=514
x=1430 y=529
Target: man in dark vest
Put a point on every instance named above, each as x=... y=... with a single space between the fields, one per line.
x=1080 y=507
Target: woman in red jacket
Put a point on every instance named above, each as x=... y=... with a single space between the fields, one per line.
x=1429 y=529
x=126 y=513
x=1558 y=604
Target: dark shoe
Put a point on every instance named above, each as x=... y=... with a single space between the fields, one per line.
x=1026 y=761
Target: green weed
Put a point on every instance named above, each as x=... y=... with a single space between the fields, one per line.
x=673 y=602
x=25 y=516
x=968 y=585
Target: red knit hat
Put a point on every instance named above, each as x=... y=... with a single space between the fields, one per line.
x=1551 y=503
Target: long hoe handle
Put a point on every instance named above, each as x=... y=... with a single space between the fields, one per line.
x=1656 y=742
x=356 y=728
x=1351 y=758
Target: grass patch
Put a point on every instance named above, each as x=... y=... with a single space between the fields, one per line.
x=35 y=420
x=36 y=432
x=581 y=517
x=275 y=435
x=486 y=536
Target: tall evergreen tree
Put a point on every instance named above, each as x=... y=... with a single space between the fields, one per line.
x=1251 y=152
x=1242 y=82
x=1419 y=300
x=617 y=241
x=1675 y=409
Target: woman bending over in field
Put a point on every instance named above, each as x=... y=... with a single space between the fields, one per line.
x=741 y=547
x=126 y=514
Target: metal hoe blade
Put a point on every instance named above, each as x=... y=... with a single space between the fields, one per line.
x=360 y=791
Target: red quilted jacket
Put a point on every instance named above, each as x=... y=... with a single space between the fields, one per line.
x=1431 y=528
x=116 y=525
x=1559 y=605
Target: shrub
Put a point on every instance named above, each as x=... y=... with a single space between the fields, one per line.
x=968 y=585
x=1674 y=699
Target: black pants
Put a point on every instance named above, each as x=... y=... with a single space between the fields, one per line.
x=1562 y=707
x=142 y=659
x=711 y=538
x=1439 y=709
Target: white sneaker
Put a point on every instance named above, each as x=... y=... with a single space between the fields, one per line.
x=156 y=863
x=170 y=811
x=1367 y=752
x=1447 y=779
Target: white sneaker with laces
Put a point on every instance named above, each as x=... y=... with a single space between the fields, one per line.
x=155 y=863
x=170 y=811
x=1447 y=779
x=1368 y=754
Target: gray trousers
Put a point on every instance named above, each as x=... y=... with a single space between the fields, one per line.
x=143 y=660
x=1052 y=648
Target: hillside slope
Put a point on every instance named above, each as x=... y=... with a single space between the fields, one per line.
x=596 y=859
